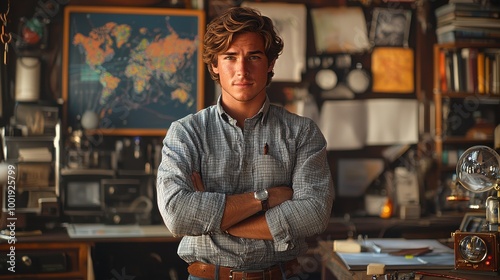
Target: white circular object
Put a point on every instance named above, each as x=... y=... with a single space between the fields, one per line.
x=90 y=120
x=358 y=80
x=326 y=79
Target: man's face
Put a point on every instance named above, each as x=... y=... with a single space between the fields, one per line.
x=243 y=69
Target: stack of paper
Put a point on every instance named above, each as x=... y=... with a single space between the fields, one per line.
x=439 y=256
x=35 y=155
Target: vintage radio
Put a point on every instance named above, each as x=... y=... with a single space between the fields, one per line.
x=476 y=251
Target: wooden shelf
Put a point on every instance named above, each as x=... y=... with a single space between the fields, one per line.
x=482 y=98
x=456 y=140
x=443 y=142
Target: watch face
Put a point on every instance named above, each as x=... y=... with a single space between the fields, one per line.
x=261 y=195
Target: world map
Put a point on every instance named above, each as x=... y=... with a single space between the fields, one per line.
x=134 y=71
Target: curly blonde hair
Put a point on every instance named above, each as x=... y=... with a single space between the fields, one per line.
x=221 y=31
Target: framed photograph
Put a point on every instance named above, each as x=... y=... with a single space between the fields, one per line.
x=390 y=27
x=134 y=70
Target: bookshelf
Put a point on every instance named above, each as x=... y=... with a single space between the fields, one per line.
x=466 y=98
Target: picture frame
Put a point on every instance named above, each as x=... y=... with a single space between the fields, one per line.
x=390 y=27
x=393 y=70
x=133 y=70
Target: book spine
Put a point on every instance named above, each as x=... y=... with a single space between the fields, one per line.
x=442 y=71
x=462 y=71
x=480 y=73
x=465 y=82
x=449 y=70
x=487 y=74
x=496 y=75
x=456 y=75
x=473 y=70
x=492 y=71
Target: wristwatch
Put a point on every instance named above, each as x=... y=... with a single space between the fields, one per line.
x=262 y=196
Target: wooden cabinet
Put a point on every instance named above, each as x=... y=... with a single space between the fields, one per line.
x=55 y=255
x=46 y=260
x=467 y=100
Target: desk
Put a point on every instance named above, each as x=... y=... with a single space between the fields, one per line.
x=333 y=268
x=100 y=258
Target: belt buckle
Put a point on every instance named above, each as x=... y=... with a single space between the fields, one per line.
x=244 y=272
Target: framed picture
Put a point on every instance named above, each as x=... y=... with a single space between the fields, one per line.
x=390 y=27
x=135 y=70
x=393 y=70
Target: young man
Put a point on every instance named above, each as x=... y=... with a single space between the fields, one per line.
x=244 y=182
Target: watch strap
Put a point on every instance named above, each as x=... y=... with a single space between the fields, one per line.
x=265 y=205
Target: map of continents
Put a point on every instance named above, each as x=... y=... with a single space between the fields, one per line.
x=134 y=73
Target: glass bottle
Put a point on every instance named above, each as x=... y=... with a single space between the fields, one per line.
x=492 y=204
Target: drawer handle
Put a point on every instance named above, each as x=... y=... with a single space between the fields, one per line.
x=26 y=260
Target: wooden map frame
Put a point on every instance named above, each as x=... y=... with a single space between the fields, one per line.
x=81 y=93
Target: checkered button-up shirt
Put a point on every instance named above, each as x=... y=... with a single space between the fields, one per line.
x=232 y=160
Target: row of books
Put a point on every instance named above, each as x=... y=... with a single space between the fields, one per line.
x=467 y=22
x=470 y=70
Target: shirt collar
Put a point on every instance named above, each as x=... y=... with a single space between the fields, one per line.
x=264 y=110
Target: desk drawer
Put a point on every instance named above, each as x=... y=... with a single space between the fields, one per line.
x=49 y=260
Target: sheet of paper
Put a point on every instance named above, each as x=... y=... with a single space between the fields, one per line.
x=387 y=245
x=441 y=257
x=107 y=231
x=343 y=124
x=359 y=261
x=353 y=124
x=392 y=121
x=290 y=22
x=340 y=29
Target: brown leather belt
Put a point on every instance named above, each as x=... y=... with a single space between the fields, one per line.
x=207 y=271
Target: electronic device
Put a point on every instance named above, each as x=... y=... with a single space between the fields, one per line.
x=97 y=196
x=476 y=251
x=81 y=195
x=476 y=243
x=124 y=203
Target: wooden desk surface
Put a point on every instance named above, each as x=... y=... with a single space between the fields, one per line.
x=61 y=235
x=375 y=227
x=333 y=268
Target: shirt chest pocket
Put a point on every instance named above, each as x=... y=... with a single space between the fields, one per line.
x=268 y=172
x=219 y=172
